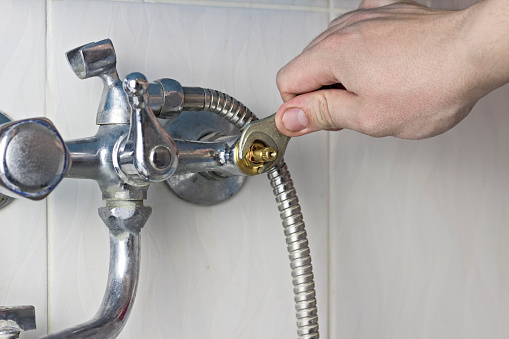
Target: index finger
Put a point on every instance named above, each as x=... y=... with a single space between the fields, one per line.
x=308 y=72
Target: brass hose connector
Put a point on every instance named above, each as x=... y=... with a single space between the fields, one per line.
x=260 y=147
x=256 y=157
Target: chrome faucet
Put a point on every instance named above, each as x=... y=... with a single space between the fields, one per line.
x=194 y=153
x=13 y=320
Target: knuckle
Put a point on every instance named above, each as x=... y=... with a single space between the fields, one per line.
x=352 y=18
x=283 y=85
x=332 y=41
x=324 y=116
x=337 y=21
x=361 y=15
x=280 y=78
x=339 y=41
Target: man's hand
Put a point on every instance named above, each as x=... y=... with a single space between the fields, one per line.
x=406 y=71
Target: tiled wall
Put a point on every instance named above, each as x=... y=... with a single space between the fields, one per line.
x=407 y=237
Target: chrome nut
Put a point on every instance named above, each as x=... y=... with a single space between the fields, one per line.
x=172 y=98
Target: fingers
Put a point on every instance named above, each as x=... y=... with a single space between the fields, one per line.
x=330 y=109
x=306 y=73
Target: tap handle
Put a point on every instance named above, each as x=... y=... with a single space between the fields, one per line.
x=34 y=158
x=94 y=59
x=98 y=59
x=149 y=149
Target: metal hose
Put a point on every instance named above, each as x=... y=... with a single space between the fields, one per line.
x=298 y=250
x=200 y=99
x=203 y=99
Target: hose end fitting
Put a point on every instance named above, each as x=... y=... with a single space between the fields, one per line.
x=254 y=161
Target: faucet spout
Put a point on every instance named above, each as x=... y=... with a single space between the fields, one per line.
x=125 y=220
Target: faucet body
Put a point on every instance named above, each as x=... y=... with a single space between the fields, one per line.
x=130 y=150
x=195 y=154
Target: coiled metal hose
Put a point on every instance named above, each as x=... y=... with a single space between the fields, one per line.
x=298 y=250
x=201 y=99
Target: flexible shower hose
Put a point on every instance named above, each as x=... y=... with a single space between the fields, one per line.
x=201 y=99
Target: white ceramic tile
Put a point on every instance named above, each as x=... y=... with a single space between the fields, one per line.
x=207 y=272
x=22 y=95
x=419 y=231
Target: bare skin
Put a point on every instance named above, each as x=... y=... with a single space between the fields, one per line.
x=406 y=70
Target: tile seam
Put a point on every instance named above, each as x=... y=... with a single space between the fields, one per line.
x=48 y=229
x=243 y=5
x=339 y=11
x=329 y=231
x=331 y=10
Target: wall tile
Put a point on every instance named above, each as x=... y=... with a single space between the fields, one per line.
x=207 y=272
x=419 y=229
x=22 y=95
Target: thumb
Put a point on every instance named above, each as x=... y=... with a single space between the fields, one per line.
x=330 y=109
x=367 y=4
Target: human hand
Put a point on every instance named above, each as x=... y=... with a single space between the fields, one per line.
x=408 y=71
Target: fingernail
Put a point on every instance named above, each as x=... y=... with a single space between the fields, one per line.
x=295 y=120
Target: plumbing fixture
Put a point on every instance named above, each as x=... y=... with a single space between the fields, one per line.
x=260 y=146
x=200 y=153
x=4 y=199
x=35 y=158
x=15 y=319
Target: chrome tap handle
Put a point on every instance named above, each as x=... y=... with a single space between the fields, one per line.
x=149 y=153
x=33 y=158
x=98 y=59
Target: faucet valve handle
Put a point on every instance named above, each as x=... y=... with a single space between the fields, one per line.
x=149 y=154
x=33 y=158
x=98 y=59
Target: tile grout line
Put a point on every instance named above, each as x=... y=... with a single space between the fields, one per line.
x=329 y=238
x=340 y=11
x=48 y=200
x=242 y=5
x=333 y=13
x=331 y=10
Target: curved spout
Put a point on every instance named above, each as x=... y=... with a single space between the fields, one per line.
x=120 y=291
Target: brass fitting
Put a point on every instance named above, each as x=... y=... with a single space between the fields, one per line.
x=256 y=157
x=262 y=155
